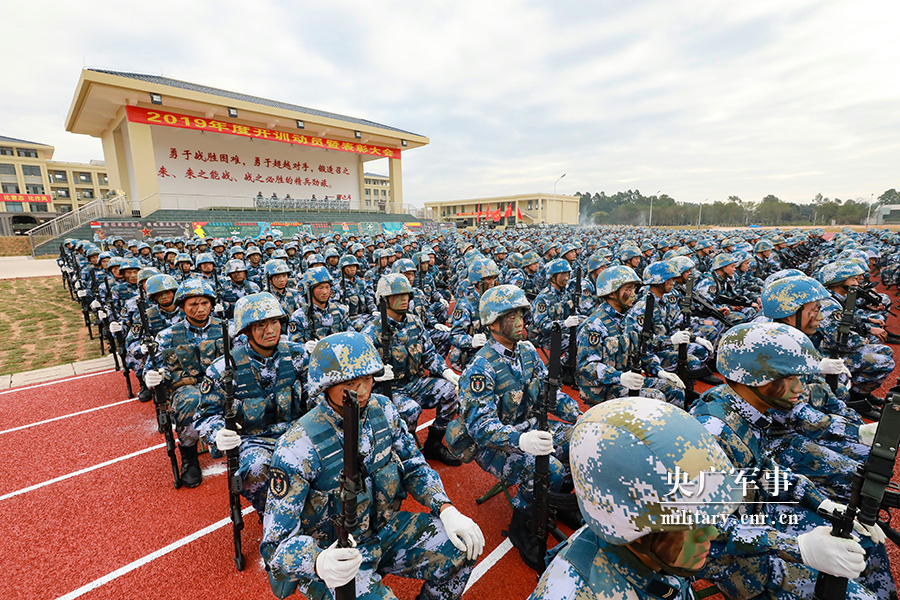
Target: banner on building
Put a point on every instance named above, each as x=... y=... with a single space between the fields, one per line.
x=392 y=229
x=370 y=228
x=135 y=230
x=25 y=198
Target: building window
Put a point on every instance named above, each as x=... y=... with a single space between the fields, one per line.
x=62 y=192
x=84 y=177
x=4 y=151
x=384 y=192
x=63 y=208
x=31 y=171
x=26 y=153
x=7 y=169
x=39 y=207
x=89 y=194
x=14 y=207
x=102 y=179
x=10 y=188
x=59 y=176
x=34 y=188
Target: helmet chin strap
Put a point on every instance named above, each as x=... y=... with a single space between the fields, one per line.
x=660 y=565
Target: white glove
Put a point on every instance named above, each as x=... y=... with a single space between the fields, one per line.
x=873 y=532
x=442 y=327
x=479 y=340
x=444 y=303
x=337 y=566
x=536 y=443
x=671 y=378
x=227 y=439
x=77 y=285
x=705 y=343
x=95 y=305
x=867 y=433
x=102 y=314
x=144 y=349
x=219 y=309
x=82 y=293
x=572 y=321
x=631 y=380
x=452 y=377
x=115 y=327
x=834 y=366
x=833 y=555
x=681 y=337
x=463 y=532
x=153 y=378
x=310 y=345
x=388 y=374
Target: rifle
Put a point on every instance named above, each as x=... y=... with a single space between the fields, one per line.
x=732 y=301
x=634 y=357
x=352 y=484
x=216 y=279
x=386 y=387
x=541 y=513
x=867 y=492
x=232 y=455
x=568 y=372
x=163 y=418
x=843 y=332
x=64 y=258
x=96 y=294
x=870 y=298
x=83 y=300
x=686 y=310
x=113 y=339
x=705 y=308
x=311 y=315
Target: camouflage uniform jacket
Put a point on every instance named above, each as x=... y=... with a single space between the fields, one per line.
x=354 y=294
x=463 y=325
x=551 y=306
x=185 y=351
x=332 y=319
x=666 y=314
x=412 y=351
x=231 y=293
x=290 y=299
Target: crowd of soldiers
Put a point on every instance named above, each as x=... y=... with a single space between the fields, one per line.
x=484 y=328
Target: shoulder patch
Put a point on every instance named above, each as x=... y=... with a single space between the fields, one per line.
x=541 y=307
x=292 y=327
x=457 y=314
x=136 y=329
x=205 y=385
x=477 y=383
x=278 y=483
x=594 y=338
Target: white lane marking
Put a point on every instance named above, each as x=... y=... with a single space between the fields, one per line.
x=149 y=558
x=81 y=472
x=75 y=414
x=489 y=561
x=31 y=387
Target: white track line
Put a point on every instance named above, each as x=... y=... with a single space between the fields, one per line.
x=424 y=425
x=150 y=557
x=81 y=472
x=75 y=414
x=489 y=561
x=31 y=387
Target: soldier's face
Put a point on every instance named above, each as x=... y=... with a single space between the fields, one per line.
x=361 y=385
x=683 y=549
x=625 y=295
x=810 y=317
x=322 y=292
x=729 y=269
x=131 y=276
x=783 y=393
x=279 y=281
x=399 y=303
x=238 y=277
x=207 y=268
x=197 y=309
x=254 y=259
x=561 y=280
x=265 y=334
x=668 y=285
x=411 y=275
x=487 y=283
x=350 y=271
x=511 y=325
x=166 y=298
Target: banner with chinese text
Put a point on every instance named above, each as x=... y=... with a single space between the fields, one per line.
x=25 y=198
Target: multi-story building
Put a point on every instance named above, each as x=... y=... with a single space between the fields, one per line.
x=36 y=189
x=507 y=211
x=377 y=190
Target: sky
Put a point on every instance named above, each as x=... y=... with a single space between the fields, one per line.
x=701 y=99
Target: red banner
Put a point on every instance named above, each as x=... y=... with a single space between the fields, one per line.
x=518 y=214
x=26 y=198
x=508 y=212
x=496 y=216
x=137 y=114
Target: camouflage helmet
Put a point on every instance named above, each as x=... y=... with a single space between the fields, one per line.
x=146 y=273
x=530 y=258
x=782 y=274
x=91 y=250
x=315 y=259
x=482 y=268
x=838 y=272
x=277 y=267
x=624 y=455
x=348 y=260
x=501 y=299
x=392 y=284
x=331 y=251
x=615 y=277
x=251 y=250
x=161 y=283
x=702 y=245
x=556 y=266
x=660 y=272
x=105 y=255
x=741 y=256
x=762 y=245
x=115 y=261
x=194 y=287
x=314 y=277
x=404 y=265
x=339 y=358
x=157 y=248
x=514 y=260
x=420 y=258
x=723 y=260
x=130 y=263
x=235 y=250
x=629 y=252
x=755 y=354
x=598 y=261
x=683 y=263
x=254 y=308
x=204 y=258
x=280 y=253
x=183 y=257
x=566 y=248
x=785 y=296
x=235 y=265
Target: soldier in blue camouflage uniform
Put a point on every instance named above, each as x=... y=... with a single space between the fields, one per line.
x=554 y=305
x=499 y=395
x=415 y=366
x=219 y=256
x=590 y=301
x=466 y=330
x=328 y=315
x=381 y=267
x=353 y=292
x=268 y=392
x=718 y=281
x=236 y=286
x=626 y=454
x=185 y=350
x=605 y=342
x=765 y=263
x=299 y=540
x=531 y=265
x=433 y=315
x=771 y=549
x=255 y=269
x=184 y=267
x=277 y=275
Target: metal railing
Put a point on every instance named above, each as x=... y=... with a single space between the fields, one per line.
x=96 y=209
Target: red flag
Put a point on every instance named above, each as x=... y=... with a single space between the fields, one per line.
x=496 y=215
x=518 y=214
x=508 y=212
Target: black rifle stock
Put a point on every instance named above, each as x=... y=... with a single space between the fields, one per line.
x=96 y=293
x=232 y=455
x=644 y=337
x=163 y=418
x=567 y=375
x=843 y=335
x=85 y=311
x=732 y=301
x=687 y=307
x=867 y=492
x=387 y=388
x=352 y=484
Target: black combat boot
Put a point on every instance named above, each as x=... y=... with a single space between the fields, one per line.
x=704 y=374
x=434 y=448
x=524 y=540
x=146 y=394
x=190 y=466
x=862 y=403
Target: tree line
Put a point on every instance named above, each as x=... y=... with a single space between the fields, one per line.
x=633 y=208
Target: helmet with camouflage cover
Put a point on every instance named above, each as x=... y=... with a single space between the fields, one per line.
x=723 y=260
x=251 y=250
x=556 y=266
x=404 y=265
x=392 y=284
x=598 y=261
x=280 y=253
x=235 y=265
x=105 y=255
x=130 y=263
x=194 y=287
x=157 y=248
x=782 y=274
x=254 y=308
x=682 y=263
x=339 y=358
x=784 y=297
x=613 y=278
x=276 y=267
x=91 y=250
x=624 y=455
x=115 y=261
x=204 y=258
x=315 y=259
x=183 y=257
x=763 y=245
x=755 y=354
x=838 y=272
x=146 y=273
x=531 y=257
x=482 y=268
x=348 y=260
x=314 y=277
x=499 y=300
x=628 y=252
x=702 y=245
x=235 y=250
x=161 y=283
x=660 y=272
x=514 y=260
